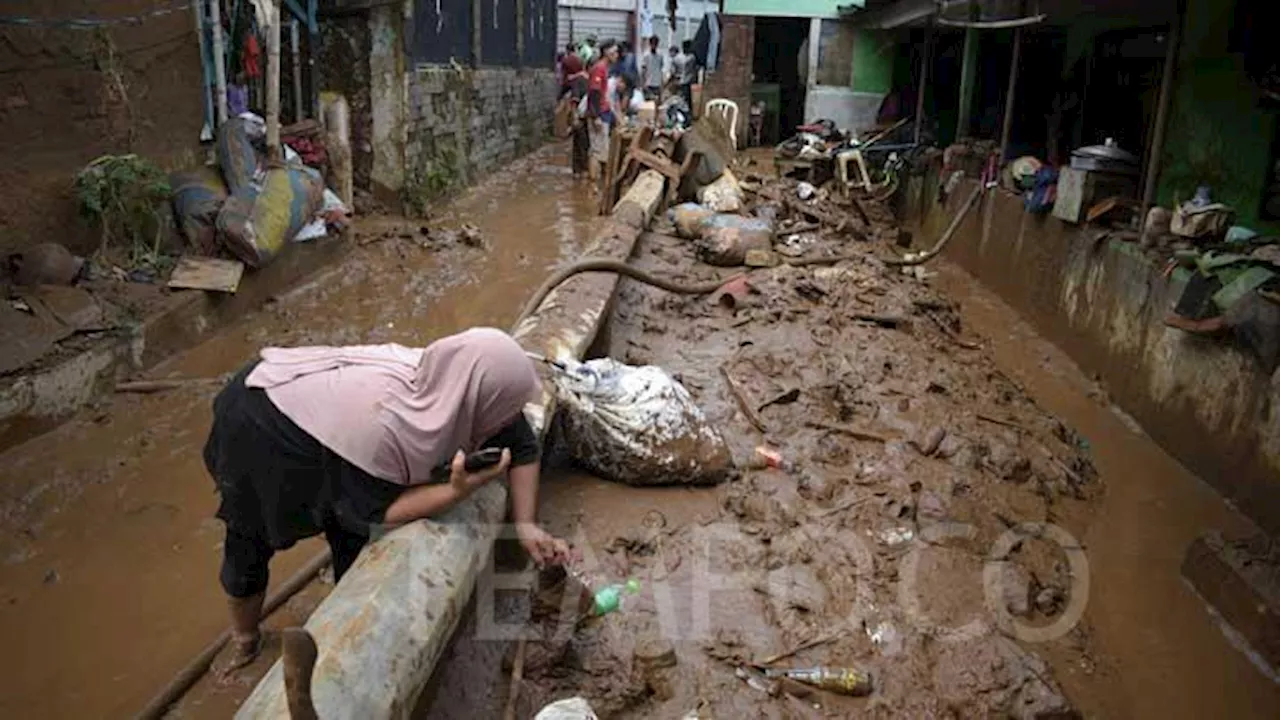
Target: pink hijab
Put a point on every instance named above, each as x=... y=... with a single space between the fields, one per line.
x=397 y=412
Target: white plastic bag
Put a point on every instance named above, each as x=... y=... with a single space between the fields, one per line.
x=637 y=425
x=574 y=708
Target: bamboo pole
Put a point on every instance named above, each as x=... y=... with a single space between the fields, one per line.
x=1161 y=122
x=273 y=85
x=298 y=113
x=1011 y=93
x=219 y=61
x=926 y=62
x=206 y=94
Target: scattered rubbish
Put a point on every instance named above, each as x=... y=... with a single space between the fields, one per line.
x=927 y=444
x=637 y=425
x=853 y=432
x=51 y=577
x=897 y=536
x=844 y=681
x=610 y=597
x=784 y=398
x=574 y=708
x=804 y=190
x=723 y=195
x=47 y=263
x=756 y=680
x=733 y=294
x=767 y=457
x=204 y=273
x=795 y=245
x=797 y=649
x=757 y=258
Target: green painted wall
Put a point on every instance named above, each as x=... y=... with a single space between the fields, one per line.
x=788 y=8
x=874 y=53
x=1218 y=132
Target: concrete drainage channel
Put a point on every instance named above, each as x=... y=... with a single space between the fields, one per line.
x=382 y=629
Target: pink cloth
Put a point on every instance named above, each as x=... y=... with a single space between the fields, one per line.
x=397 y=412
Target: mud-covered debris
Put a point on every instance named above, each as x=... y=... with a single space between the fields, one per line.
x=927 y=443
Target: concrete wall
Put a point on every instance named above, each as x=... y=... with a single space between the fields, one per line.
x=1208 y=403
x=462 y=125
x=70 y=94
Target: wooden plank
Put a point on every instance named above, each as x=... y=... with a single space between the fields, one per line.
x=201 y=273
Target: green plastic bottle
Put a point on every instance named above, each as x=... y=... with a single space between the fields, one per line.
x=609 y=598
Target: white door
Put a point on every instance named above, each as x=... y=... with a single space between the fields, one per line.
x=576 y=23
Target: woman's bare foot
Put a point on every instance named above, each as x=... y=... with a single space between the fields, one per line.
x=244 y=650
x=299 y=655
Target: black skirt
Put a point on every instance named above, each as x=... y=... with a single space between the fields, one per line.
x=277 y=482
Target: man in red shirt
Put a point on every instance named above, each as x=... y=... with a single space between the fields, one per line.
x=599 y=113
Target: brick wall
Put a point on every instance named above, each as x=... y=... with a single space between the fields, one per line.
x=732 y=77
x=466 y=123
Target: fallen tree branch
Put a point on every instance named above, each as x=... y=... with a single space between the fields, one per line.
x=797 y=649
x=853 y=432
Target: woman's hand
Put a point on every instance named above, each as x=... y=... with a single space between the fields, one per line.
x=544 y=548
x=465 y=483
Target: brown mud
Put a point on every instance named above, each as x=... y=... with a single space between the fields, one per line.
x=108 y=547
x=1010 y=547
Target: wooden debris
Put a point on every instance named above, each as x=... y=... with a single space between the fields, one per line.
x=797 y=649
x=201 y=273
x=743 y=403
x=853 y=432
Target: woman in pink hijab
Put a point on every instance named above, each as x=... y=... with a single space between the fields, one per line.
x=339 y=440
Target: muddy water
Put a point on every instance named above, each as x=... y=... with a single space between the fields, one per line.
x=108 y=553
x=1167 y=657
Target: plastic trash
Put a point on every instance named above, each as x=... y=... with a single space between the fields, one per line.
x=609 y=598
x=805 y=190
x=637 y=425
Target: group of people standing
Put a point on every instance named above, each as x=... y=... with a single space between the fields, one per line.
x=605 y=85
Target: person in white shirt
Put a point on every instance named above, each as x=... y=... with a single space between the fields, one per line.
x=624 y=98
x=652 y=71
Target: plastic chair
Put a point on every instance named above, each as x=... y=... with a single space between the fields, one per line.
x=729 y=111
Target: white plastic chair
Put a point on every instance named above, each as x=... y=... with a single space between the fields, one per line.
x=729 y=110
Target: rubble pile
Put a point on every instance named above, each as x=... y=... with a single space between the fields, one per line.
x=903 y=506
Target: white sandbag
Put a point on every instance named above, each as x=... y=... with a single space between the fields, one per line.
x=724 y=195
x=637 y=425
x=574 y=708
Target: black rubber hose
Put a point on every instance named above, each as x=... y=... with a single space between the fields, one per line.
x=621 y=268
x=946 y=236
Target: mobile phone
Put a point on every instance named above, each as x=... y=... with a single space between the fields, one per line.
x=482 y=459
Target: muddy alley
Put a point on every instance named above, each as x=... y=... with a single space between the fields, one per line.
x=110 y=549
x=927 y=493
